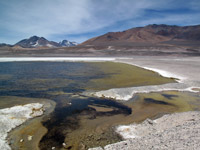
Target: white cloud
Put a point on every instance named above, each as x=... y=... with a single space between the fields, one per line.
x=53 y=17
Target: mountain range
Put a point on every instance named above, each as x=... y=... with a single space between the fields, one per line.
x=38 y=42
x=148 y=40
x=148 y=34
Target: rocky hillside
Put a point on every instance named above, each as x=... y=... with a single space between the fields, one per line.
x=148 y=34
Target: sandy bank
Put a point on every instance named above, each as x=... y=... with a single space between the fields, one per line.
x=174 y=131
x=15 y=116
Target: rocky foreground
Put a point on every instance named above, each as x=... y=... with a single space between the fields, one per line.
x=174 y=131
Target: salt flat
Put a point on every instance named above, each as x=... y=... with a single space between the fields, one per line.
x=185 y=69
x=55 y=59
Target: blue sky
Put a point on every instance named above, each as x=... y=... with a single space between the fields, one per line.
x=79 y=20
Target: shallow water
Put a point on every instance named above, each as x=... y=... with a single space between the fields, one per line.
x=80 y=121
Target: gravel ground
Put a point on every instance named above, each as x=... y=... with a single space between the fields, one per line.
x=180 y=131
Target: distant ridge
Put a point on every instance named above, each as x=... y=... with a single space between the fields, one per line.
x=5 y=45
x=36 y=42
x=151 y=40
x=66 y=43
x=149 y=34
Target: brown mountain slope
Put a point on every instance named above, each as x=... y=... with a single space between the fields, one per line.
x=148 y=34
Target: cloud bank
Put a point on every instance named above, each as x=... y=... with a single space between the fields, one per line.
x=83 y=19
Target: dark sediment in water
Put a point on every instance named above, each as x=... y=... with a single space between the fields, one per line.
x=65 y=119
x=151 y=100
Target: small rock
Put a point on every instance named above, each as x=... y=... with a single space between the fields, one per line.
x=64 y=145
x=98 y=138
x=30 y=138
x=96 y=148
x=82 y=146
x=150 y=121
x=53 y=148
x=22 y=140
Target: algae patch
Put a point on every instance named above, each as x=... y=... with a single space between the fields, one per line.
x=155 y=104
x=124 y=75
x=181 y=101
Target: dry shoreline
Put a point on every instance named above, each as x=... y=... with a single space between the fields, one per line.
x=174 y=131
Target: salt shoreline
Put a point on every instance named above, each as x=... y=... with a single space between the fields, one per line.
x=126 y=94
x=186 y=81
x=14 y=116
x=56 y=59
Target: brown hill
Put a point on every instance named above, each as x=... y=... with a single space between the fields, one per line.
x=148 y=34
